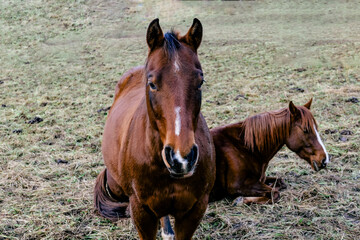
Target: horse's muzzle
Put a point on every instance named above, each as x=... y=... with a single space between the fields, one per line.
x=180 y=166
x=319 y=167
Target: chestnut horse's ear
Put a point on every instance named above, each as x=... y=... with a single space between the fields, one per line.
x=154 y=35
x=295 y=112
x=308 y=104
x=194 y=35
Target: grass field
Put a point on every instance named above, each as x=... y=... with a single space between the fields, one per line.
x=60 y=61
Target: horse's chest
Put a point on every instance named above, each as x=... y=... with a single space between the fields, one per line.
x=168 y=199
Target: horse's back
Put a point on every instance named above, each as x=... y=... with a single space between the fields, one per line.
x=230 y=132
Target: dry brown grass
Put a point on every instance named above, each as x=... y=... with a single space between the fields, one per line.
x=60 y=61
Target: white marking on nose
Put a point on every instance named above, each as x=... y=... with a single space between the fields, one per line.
x=322 y=145
x=180 y=159
x=177 y=121
x=176 y=65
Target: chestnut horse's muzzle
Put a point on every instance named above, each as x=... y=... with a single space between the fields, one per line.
x=180 y=166
x=323 y=165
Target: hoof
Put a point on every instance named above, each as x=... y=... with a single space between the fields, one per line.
x=167 y=236
x=275 y=197
x=238 y=201
x=282 y=184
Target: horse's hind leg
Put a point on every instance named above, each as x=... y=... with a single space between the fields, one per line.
x=277 y=182
x=166 y=231
x=144 y=219
x=187 y=224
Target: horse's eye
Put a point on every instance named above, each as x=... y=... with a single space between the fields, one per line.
x=152 y=86
x=201 y=83
x=306 y=131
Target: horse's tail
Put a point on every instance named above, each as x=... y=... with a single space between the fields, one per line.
x=106 y=204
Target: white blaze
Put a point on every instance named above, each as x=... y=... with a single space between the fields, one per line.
x=177 y=121
x=322 y=145
x=176 y=65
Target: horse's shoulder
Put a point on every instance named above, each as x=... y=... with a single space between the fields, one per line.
x=130 y=78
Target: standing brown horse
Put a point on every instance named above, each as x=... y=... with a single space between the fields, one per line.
x=244 y=149
x=157 y=148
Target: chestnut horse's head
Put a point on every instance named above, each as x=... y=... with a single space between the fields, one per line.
x=173 y=94
x=304 y=138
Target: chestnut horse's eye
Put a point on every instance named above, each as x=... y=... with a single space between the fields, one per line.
x=306 y=131
x=152 y=86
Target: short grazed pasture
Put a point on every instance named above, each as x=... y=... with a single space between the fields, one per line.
x=60 y=61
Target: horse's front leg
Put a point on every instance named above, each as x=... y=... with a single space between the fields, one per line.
x=186 y=225
x=144 y=219
x=279 y=183
x=258 y=192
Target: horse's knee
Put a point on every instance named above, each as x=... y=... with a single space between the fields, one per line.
x=186 y=225
x=278 y=183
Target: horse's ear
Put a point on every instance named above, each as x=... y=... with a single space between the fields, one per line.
x=154 y=35
x=308 y=104
x=194 y=35
x=295 y=112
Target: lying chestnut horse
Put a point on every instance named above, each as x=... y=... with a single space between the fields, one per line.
x=244 y=150
x=157 y=148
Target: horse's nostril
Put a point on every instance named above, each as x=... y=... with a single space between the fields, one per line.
x=323 y=163
x=169 y=152
x=193 y=155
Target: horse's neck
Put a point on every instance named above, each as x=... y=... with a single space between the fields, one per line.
x=268 y=154
x=264 y=155
x=149 y=137
x=152 y=137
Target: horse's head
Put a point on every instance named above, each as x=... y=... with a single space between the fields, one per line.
x=304 y=138
x=173 y=94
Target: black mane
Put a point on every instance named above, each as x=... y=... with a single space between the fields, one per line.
x=171 y=43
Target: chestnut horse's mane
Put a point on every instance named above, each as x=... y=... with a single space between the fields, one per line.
x=263 y=131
